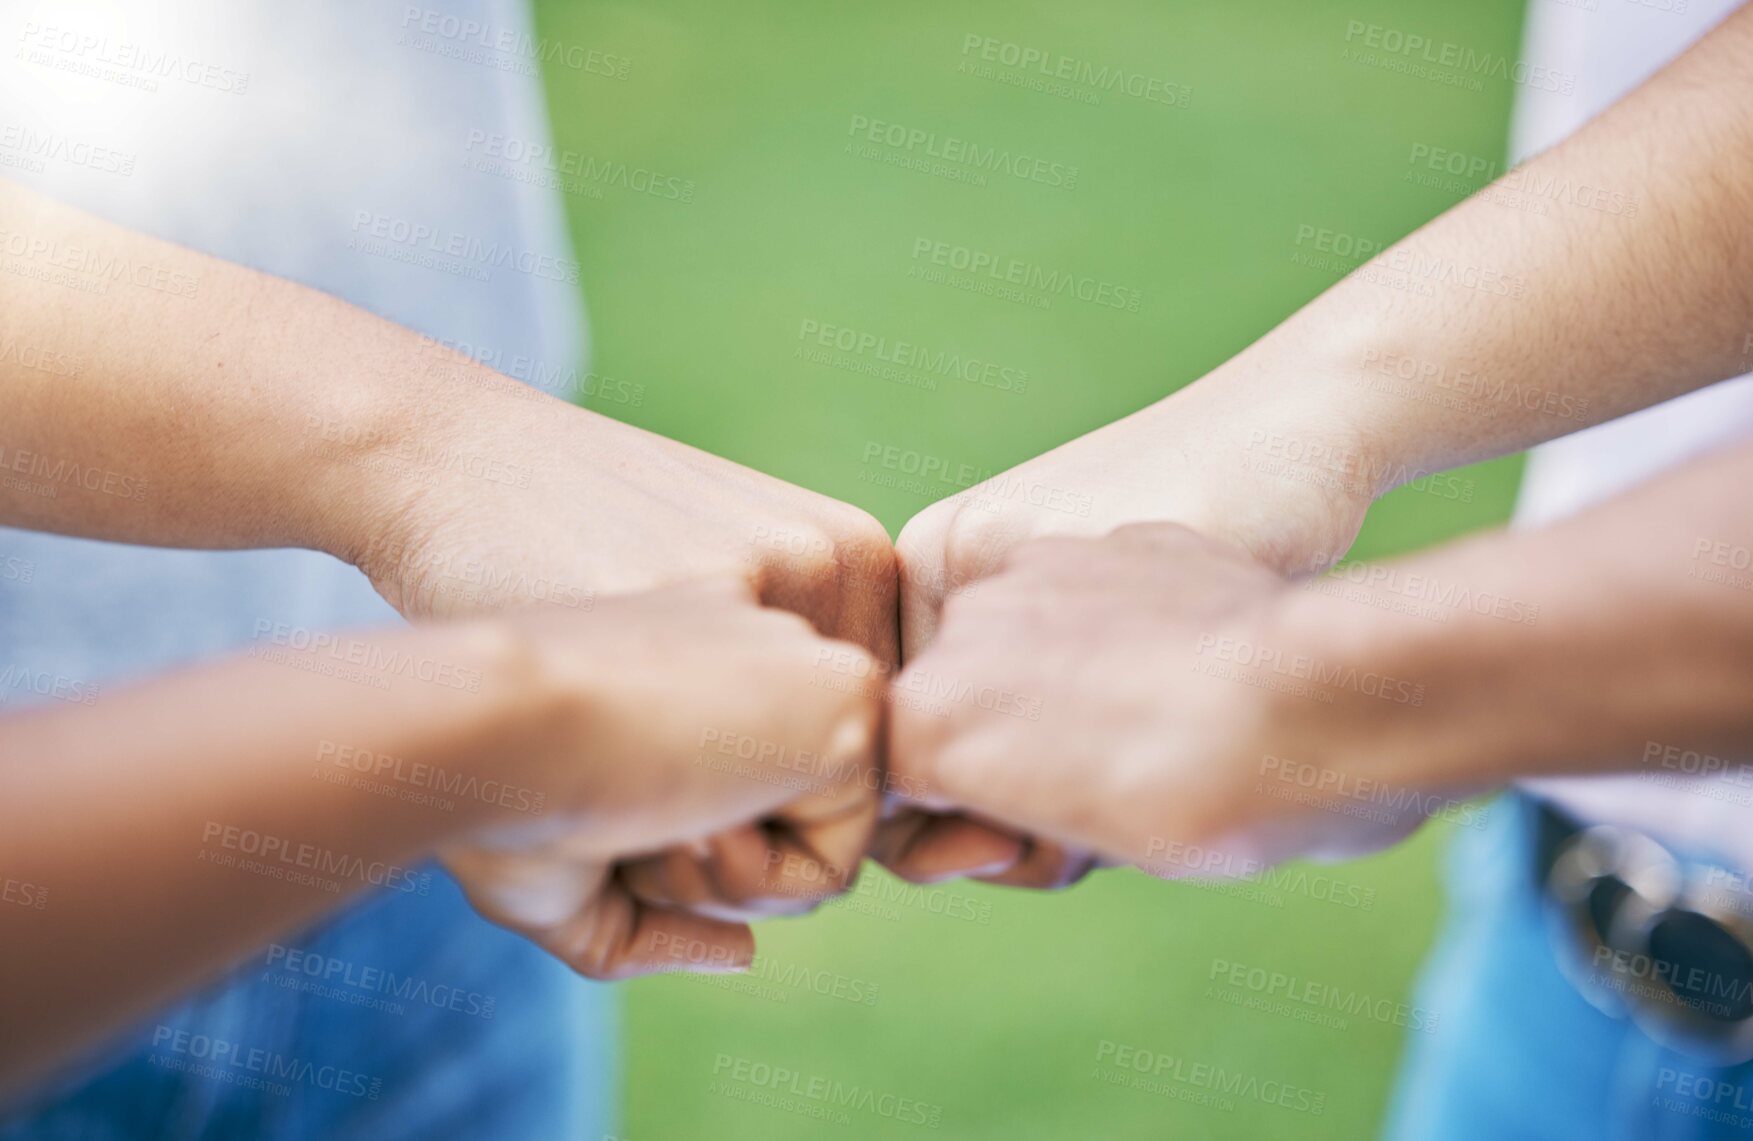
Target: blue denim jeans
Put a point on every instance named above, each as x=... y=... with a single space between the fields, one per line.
x=1520 y=1053
x=403 y=1016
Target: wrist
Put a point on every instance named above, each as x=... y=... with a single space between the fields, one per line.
x=1274 y=458
x=352 y=464
x=395 y=456
x=504 y=710
x=1361 y=701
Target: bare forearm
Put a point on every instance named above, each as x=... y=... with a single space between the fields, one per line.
x=1491 y=328
x=156 y=395
x=195 y=817
x=1561 y=650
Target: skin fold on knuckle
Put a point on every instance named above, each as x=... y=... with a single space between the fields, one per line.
x=977 y=542
x=862 y=550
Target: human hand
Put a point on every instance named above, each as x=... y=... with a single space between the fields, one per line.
x=513 y=501
x=518 y=500
x=1205 y=458
x=618 y=719
x=1150 y=746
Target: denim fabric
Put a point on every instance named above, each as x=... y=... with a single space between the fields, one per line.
x=404 y=1016
x=1520 y=1053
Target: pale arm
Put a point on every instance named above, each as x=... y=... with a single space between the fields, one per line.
x=1629 y=624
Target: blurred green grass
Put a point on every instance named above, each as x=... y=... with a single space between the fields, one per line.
x=987 y=1003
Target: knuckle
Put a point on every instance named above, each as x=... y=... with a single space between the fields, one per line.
x=585 y=951
x=854 y=525
x=813 y=556
x=960 y=611
x=786 y=625
x=725 y=587
x=860 y=547
x=595 y=967
x=969 y=770
x=977 y=541
x=921 y=537
x=858 y=659
x=1153 y=533
x=1052 y=551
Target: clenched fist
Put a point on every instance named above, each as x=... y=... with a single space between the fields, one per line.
x=657 y=840
x=1137 y=709
x=584 y=508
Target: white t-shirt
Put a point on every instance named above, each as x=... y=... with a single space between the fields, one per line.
x=1610 y=48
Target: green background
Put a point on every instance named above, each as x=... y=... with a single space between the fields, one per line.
x=998 y=1018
